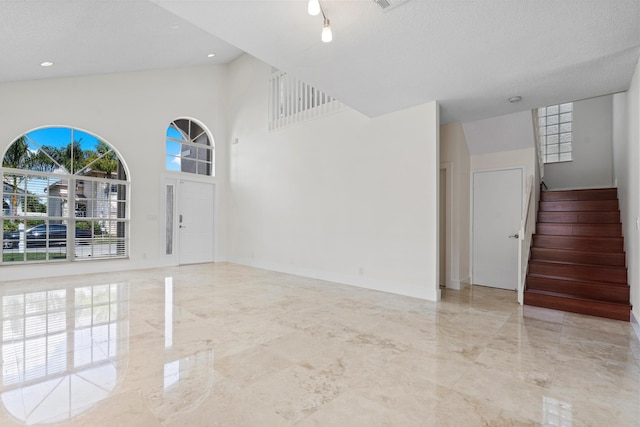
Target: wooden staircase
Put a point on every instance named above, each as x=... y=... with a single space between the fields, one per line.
x=577 y=260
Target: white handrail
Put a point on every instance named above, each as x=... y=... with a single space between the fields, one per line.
x=527 y=228
x=293 y=101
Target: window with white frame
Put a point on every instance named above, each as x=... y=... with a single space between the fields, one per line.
x=189 y=148
x=65 y=197
x=555 y=130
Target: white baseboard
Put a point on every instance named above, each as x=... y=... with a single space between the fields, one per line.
x=635 y=325
x=432 y=293
x=454 y=284
x=459 y=285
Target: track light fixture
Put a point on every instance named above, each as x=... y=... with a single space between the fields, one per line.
x=327 y=35
x=315 y=8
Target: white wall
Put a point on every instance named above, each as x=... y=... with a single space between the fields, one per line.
x=506 y=159
x=343 y=198
x=592 y=165
x=503 y=133
x=455 y=154
x=626 y=165
x=131 y=111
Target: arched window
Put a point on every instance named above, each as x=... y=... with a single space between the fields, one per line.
x=67 y=192
x=189 y=148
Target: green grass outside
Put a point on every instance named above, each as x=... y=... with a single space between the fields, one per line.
x=32 y=256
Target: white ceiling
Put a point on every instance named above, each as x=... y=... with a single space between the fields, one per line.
x=470 y=55
x=99 y=36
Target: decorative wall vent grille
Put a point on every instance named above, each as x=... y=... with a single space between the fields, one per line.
x=292 y=101
x=386 y=5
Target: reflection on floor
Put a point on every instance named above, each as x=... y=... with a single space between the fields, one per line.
x=228 y=345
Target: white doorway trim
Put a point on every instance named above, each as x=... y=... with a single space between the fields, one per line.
x=448 y=173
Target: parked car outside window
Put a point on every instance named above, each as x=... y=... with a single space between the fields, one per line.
x=38 y=237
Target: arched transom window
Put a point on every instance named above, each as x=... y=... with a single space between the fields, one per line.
x=189 y=148
x=65 y=197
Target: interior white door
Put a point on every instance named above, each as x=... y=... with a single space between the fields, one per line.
x=195 y=222
x=497 y=210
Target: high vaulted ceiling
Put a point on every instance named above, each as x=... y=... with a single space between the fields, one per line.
x=471 y=55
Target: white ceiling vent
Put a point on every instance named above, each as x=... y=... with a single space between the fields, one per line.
x=387 y=5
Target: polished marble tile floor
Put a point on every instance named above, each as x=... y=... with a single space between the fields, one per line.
x=229 y=345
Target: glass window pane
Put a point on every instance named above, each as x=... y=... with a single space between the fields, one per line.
x=566 y=117
x=552 y=120
x=552 y=158
x=204 y=154
x=565 y=157
x=203 y=168
x=565 y=127
x=566 y=107
x=565 y=148
x=197 y=133
x=553 y=109
x=179 y=130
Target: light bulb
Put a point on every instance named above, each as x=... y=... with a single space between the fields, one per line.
x=327 y=36
x=314 y=7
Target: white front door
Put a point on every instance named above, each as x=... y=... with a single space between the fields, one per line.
x=195 y=222
x=497 y=210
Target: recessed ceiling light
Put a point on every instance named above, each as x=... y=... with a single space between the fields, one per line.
x=211 y=55
x=515 y=99
x=175 y=27
x=46 y=64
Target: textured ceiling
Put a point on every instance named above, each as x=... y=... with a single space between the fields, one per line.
x=470 y=55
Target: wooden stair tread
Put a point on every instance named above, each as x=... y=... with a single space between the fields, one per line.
x=573 y=297
x=614 y=259
x=579 y=205
x=602 y=244
x=577 y=250
x=573 y=304
x=579 y=229
x=580 y=251
x=573 y=279
x=577 y=264
x=586 y=194
x=579 y=217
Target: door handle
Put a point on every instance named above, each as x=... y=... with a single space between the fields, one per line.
x=514 y=236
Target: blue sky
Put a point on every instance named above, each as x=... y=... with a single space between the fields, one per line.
x=60 y=137
x=173 y=149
